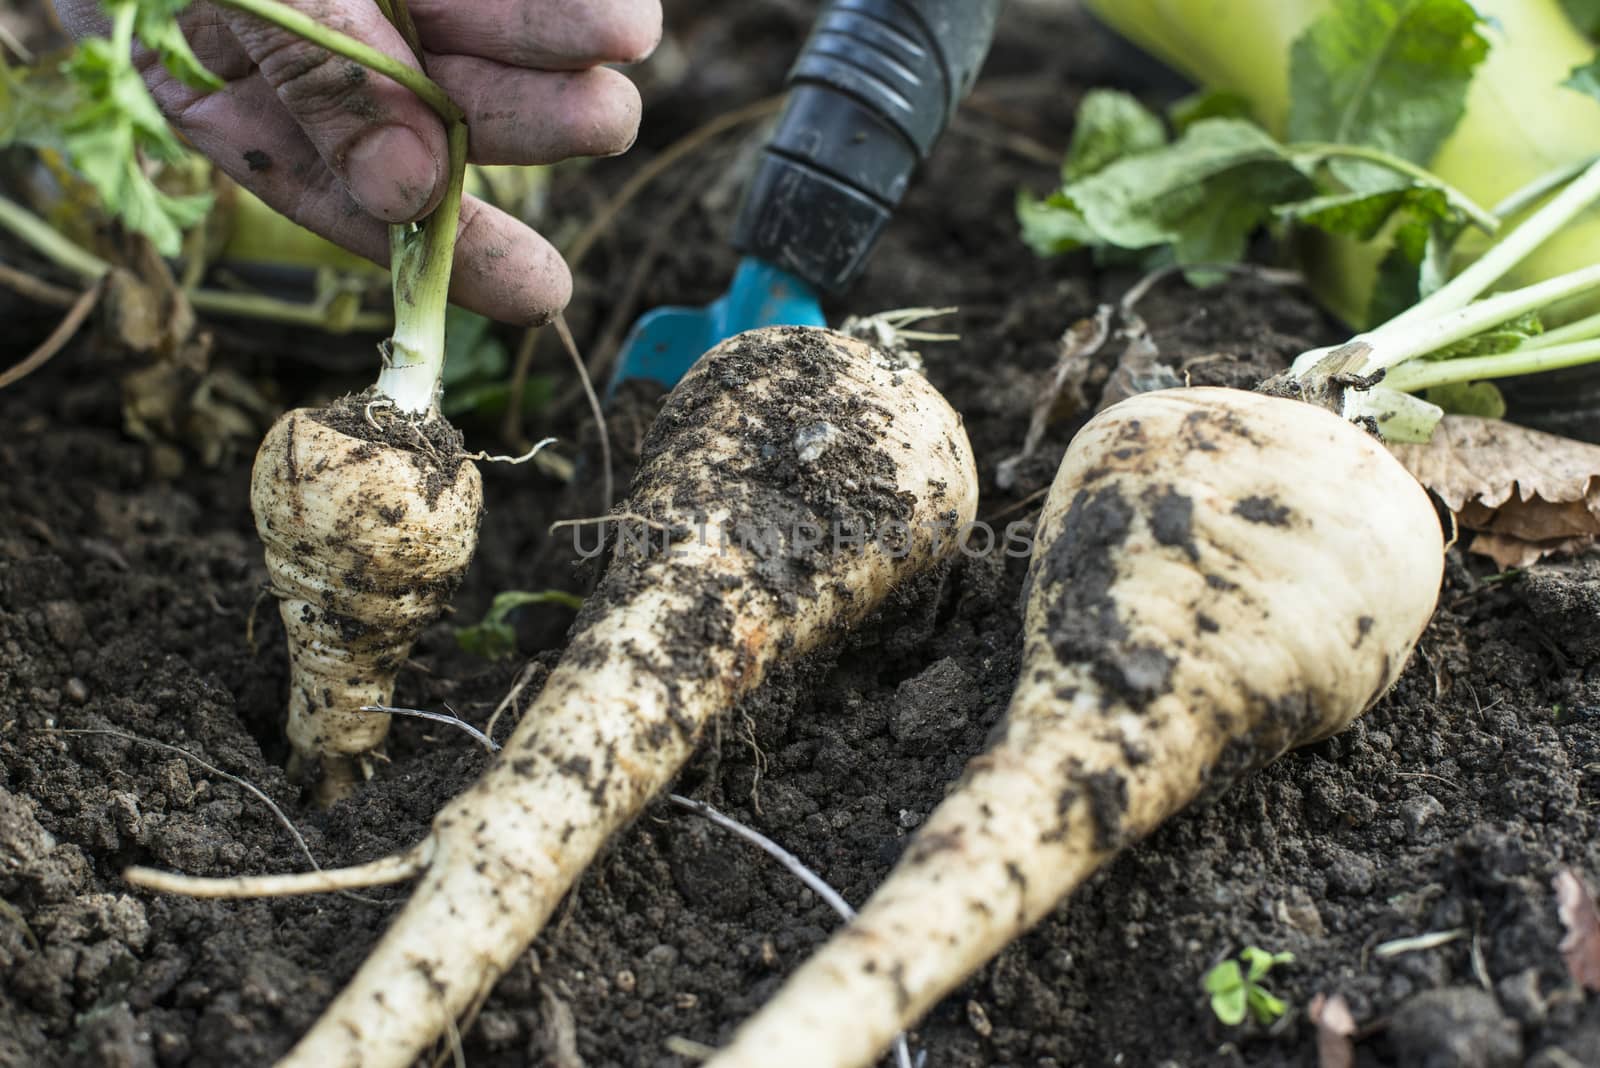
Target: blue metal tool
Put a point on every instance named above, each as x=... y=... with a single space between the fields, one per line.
x=874 y=87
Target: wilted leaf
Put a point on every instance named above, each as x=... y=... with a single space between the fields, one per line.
x=1581 y=947
x=1335 y=1029
x=1533 y=493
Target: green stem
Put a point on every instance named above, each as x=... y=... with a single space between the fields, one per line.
x=42 y=238
x=1520 y=200
x=1321 y=151
x=1392 y=347
x=287 y=18
x=122 y=31
x=271 y=309
x=1427 y=374
x=1502 y=256
x=88 y=268
x=420 y=259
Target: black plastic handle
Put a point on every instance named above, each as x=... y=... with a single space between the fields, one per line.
x=874 y=87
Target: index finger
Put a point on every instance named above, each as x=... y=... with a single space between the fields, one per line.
x=543 y=34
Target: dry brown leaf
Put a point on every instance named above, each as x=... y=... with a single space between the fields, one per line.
x=1510 y=552
x=1531 y=494
x=1581 y=947
x=1336 y=1030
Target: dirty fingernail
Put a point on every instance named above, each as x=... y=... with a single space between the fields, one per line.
x=391 y=173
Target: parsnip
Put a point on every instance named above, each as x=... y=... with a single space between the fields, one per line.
x=774 y=434
x=1218 y=576
x=365 y=541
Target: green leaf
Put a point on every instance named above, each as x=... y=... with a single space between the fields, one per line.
x=1469 y=398
x=1389 y=74
x=1585 y=78
x=488 y=399
x=1585 y=14
x=1260 y=962
x=1229 y=997
x=471 y=351
x=1110 y=125
x=1223 y=977
x=1362 y=215
x=1202 y=194
x=1266 y=1008
x=157 y=27
x=1053 y=225
x=495 y=638
x=113 y=126
x=1209 y=104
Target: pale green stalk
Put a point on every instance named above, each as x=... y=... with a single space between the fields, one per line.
x=421 y=255
x=1425 y=374
x=1503 y=255
x=87 y=267
x=309 y=29
x=420 y=259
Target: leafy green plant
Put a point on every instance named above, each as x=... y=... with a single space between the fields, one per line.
x=96 y=111
x=1236 y=990
x=1392 y=137
x=477 y=370
x=494 y=637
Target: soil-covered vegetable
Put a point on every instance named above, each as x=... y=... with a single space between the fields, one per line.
x=368 y=529
x=791 y=482
x=1218 y=577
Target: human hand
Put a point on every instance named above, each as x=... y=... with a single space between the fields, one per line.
x=344 y=151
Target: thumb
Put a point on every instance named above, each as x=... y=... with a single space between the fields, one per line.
x=385 y=144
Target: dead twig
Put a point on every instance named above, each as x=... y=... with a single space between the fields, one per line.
x=37 y=289
x=58 y=338
x=510 y=699
x=594 y=407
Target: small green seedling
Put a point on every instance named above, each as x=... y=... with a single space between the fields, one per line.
x=1237 y=991
x=495 y=638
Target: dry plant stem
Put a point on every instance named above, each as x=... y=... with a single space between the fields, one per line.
x=58 y=338
x=667 y=643
x=1218 y=576
x=607 y=489
x=36 y=289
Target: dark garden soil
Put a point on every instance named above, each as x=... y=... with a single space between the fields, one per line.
x=131 y=614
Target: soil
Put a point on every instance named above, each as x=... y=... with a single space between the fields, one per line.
x=132 y=621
